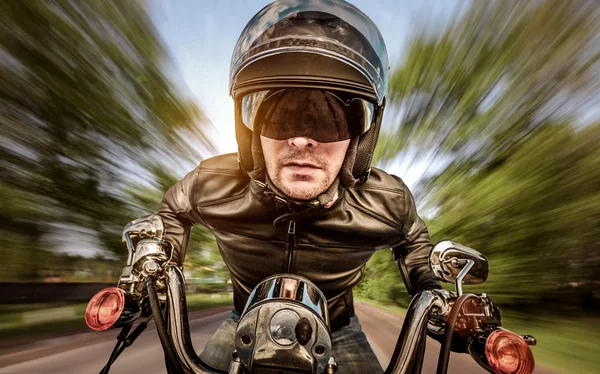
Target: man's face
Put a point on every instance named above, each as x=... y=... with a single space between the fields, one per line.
x=304 y=136
x=303 y=168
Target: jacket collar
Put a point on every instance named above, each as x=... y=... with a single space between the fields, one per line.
x=268 y=191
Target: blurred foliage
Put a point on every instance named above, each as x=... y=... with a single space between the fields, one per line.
x=203 y=259
x=91 y=125
x=502 y=99
x=382 y=281
x=35 y=264
x=495 y=76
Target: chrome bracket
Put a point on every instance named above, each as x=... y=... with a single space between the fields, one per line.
x=463 y=273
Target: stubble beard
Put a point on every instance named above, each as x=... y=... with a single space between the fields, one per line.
x=303 y=195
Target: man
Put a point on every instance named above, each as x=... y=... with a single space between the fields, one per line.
x=309 y=81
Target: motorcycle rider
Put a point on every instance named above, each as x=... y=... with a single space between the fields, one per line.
x=309 y=82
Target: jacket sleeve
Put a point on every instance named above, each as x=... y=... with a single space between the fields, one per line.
x=412 y=255
x=178 y=214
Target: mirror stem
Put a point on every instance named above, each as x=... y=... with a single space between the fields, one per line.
x=463 y=273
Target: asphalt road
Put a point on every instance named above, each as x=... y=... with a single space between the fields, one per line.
x=87 y=352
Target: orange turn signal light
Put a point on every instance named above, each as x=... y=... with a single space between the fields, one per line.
x=105 y=308
x=508 y=353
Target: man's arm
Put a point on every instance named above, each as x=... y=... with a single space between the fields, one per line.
x=412 y=255
x=178 y=214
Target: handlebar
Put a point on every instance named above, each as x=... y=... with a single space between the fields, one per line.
x=410 y=347
x=407 y=356
x=179 y=328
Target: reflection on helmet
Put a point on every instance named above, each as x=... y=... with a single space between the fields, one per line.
x=331 y=28
x=323 y=45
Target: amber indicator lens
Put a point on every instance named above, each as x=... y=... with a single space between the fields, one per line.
x=508 y=353
x=104 y=309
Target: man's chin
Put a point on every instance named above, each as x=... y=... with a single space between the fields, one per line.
x=302 y=191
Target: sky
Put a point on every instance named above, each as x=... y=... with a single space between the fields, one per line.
x=201 y=35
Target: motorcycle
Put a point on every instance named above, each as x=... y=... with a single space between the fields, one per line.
x=284 y=327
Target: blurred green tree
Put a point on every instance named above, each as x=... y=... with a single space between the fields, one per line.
x=502 y=100
x=87 y=115
x=503 y=69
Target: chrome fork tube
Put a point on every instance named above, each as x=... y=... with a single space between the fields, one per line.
x=409 y=351
x=179 y=329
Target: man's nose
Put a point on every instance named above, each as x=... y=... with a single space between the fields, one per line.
x=301 y=142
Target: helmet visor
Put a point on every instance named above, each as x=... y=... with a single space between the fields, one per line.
x=324 y=116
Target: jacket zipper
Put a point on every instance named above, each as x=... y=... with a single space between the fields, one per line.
x=291 y=243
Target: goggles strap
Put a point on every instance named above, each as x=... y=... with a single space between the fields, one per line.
x=346 y=177
x=260 y=171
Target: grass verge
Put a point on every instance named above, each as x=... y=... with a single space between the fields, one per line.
x=392 y=308
x=207 y=301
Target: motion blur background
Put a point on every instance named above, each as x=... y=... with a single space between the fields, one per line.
x=493 y=121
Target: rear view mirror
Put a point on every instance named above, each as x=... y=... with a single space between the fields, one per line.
x=453 y=262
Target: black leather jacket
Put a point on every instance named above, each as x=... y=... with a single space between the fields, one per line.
x=259 y=236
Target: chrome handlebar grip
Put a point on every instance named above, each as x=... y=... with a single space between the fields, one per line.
x=148 y=251
x=146 y=227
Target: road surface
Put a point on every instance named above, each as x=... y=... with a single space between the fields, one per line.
x=87 y=352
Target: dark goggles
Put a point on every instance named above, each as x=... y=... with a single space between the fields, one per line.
x=324 y=116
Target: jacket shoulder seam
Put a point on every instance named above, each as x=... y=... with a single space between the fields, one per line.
x=220 y=171
x=222 y=200
x=374 y=215
x=373 y=188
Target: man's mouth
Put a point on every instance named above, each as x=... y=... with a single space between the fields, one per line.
x=306 y=164
x=302 y=169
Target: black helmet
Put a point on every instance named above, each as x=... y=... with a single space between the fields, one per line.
x=327 y=45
